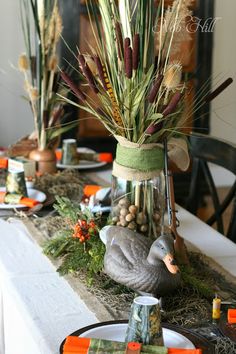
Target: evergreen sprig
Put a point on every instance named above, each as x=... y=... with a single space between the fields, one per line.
x=74 y=254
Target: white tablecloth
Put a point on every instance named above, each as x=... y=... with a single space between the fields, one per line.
x=38 y=308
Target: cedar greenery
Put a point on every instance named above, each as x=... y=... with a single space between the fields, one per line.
x=76 y=255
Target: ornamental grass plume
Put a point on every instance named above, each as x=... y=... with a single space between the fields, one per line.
x=42 y=28
x=137 y=97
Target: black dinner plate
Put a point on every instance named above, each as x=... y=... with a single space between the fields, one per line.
x=198 y=340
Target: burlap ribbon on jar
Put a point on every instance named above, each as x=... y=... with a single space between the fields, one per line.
x=135 y=162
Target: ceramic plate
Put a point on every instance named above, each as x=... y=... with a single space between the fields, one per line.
x=83 y=164
x=173 y=335
x=117 y=332
x=32 y=193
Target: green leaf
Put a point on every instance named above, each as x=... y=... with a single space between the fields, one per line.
x=155 y=116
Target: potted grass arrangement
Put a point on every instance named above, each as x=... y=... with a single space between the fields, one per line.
x=42 y=28
x=140 y=96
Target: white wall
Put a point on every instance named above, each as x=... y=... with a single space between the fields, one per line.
x=223 y=114
x=15 y=116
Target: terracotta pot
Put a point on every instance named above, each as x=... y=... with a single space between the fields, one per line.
x=45 y=160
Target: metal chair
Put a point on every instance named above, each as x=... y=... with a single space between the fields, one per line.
x=204 y=149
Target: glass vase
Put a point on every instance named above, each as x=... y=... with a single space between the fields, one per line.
x=139 y=205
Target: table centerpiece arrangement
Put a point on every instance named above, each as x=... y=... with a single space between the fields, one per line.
x=135 y=73
x=42 y=28
x=140 y=98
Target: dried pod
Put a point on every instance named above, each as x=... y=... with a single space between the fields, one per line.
x=73 y=86
x=128 y=62
x=23 y=63
x=172 y=76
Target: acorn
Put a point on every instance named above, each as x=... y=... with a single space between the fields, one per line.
x=124 y=211
x=141 y=218
x=133 y=209
x=124 y=202
x=129 y=217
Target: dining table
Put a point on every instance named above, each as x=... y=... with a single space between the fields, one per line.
x=39 y=308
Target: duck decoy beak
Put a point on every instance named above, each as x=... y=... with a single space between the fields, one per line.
x=170 y=263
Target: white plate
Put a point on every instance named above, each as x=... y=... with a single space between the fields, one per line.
x=83 y=164
x=116 y=332
x=32 y=193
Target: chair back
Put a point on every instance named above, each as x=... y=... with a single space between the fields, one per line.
x=205 y=149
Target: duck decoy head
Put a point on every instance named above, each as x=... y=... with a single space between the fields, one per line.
x=163 y=249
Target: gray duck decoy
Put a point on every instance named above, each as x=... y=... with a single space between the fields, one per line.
x=140 y=264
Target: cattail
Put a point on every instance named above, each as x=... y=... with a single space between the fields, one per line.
x=155 y=88
x=128 y=62
x=52 y=63
x=88 y=73
x=101 y=73
x=153 y=128
x=73 y=86
x=119 y=39
x=136 y=45
x=172 y=76
x=23 y=63
x=127 y=42
x=172 y=104
x=218 y=90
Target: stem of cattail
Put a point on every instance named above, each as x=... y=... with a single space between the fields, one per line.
x=73 y=86
x=100 y=71
x=218 y=90
x=88 y=73
x=172 y=104
x=128 y=61
x=136 y=46
x=119 y=39
x=155 y=88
